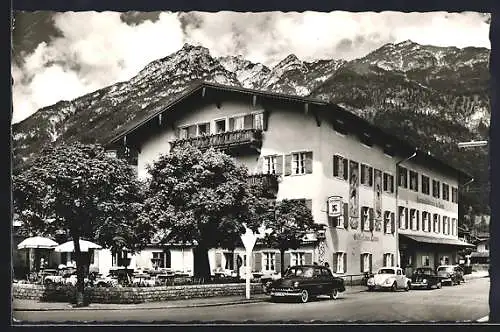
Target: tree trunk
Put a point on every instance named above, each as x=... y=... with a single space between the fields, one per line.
x=201 y=263
x=80 y=285
x=282 y=256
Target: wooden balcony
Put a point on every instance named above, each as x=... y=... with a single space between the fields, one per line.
x=230 y=141
x=267 y=182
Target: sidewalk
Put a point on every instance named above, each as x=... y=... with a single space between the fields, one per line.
x=32 y=305
x=476 y=275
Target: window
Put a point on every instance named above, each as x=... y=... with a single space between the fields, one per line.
x=269 y=261
x=203 y=129
x=453 y=226
x=258 y=121
x=454 y=195
x=183 y=133
x=388 y=259
x=446 y=192
x=388 y=183
x=340 y=167
x=301 y=163
x=298 y=258
x=387 y=222
x=161 y=259
x=444 y=260
x=426 y=261
x=341 y=262
x=402 y=220
x=413 y=181
x=366 y=262
x=366 y=175
x=425 y=185
x=220 y=126
x=435 y=189
x=436 y=223
x=273 y=165
x=414 y=219
x=229 y=258
x=402 y=177
x=425 y=221
x=365 y=218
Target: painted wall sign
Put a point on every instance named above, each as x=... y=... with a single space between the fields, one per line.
x=353 y=189
x=335 y=206
x=427 y=201
x=365 y=237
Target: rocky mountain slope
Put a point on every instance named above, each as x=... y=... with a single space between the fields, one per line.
x=432 y=96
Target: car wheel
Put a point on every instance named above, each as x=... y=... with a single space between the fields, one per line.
x=304 y=296
x=408 y=286
x=438 y=285
x=334 y=294
x=370 y=289
x=394 y=287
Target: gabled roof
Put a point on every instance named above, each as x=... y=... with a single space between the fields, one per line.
x=334 y=110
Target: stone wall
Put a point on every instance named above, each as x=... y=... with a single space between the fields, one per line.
x=128 y=295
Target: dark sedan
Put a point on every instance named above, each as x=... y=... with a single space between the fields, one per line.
x=306 y=281
x=425 y=277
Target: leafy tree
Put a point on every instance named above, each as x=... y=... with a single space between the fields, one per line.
x=288 y=226
x=202 y=198
x=77 y=188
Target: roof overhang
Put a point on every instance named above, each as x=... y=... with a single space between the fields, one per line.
x=437 y=240
x=332 y=112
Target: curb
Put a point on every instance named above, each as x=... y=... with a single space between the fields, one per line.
x=69 y=307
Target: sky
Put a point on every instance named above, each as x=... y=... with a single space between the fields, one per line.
x=61 y=56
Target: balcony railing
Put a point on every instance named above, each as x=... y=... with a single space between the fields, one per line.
x=250 y=138
x=267 y=182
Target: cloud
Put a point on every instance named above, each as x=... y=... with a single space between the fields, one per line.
x=93 y=50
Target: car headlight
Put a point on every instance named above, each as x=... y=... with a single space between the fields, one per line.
x=424 y=281
x=371 y=281
x=296 y=284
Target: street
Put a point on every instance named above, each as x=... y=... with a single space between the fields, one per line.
x=465 y=302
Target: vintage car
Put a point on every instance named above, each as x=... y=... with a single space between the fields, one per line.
x=452 y=274
x=107 y=281
x=391 y=278
x=304 y=282
x=425 y=277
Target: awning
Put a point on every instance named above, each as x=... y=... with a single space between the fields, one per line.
x=437 y=240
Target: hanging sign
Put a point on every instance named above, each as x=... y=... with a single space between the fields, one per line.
x=334 y=206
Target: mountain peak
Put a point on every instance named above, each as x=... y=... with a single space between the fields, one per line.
x=407 y=42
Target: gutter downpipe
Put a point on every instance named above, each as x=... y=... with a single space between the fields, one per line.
x=396 y=212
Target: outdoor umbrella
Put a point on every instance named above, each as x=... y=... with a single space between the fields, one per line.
x=70 y=247
x=37 y=242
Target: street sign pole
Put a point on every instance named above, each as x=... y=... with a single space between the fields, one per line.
x=248 y=240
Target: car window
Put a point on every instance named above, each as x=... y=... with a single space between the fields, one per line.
x=308 y=272
x=317 y=272
x=386 y=271
x=326 y=272
x=443 y=268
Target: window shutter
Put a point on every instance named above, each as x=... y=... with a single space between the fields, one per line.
x=257 y=261
x=393 y=223
x=370 y=257
x=218 y=259
x=248 y=121
x=231 y=124
x=288 y=164
x=363 y=219
x=385 y=223
x=308 y=162
x=406 y=218
x=308 y=258
x=277 y=260
x=265 y=119
x=287 y=260
x=371 y=214
x=346 y=170
x=361 y=263
x=335 y=261
x=346 y=215
x=418 y=220
x=279 y=165
x=345 y=262
x=336 y=170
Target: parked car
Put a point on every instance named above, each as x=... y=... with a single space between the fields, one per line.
x=306 y=281
x=425 y=277
x=452 y=274
x=391 y=278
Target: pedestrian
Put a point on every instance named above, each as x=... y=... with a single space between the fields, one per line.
x=327 y=265
x=315 y=263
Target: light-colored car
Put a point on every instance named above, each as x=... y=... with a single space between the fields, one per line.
x=450 y=274
x=391 y=278
x=107 y=281
x=143 y=280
